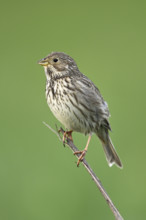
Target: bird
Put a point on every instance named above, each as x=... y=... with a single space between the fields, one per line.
x=77 y=103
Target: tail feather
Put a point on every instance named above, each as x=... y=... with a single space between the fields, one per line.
x=110 y=152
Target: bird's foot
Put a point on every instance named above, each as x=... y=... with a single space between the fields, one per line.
x=67 y=134
x=81 y=157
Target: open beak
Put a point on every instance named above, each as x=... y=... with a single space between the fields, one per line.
x=43 y=62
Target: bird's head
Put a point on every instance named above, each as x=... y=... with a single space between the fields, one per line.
x=58 y=63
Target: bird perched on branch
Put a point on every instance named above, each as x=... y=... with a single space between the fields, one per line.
x=77 y=103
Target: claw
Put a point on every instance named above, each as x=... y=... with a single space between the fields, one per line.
x=81 y=157
x=67 y=134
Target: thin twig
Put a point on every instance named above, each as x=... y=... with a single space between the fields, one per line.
x=48 y=126
x=90 y=171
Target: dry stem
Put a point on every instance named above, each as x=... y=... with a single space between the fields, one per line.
x=90 y=171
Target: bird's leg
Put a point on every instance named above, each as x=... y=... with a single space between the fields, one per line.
x=67 y=134
x=83 y=152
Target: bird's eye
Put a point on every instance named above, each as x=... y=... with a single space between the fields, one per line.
x=55 y=60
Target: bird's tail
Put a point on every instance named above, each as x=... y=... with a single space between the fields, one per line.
x=110 y=152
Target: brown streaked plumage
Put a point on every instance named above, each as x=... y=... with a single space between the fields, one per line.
x=77 y=103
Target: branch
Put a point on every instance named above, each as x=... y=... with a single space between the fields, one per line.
x=90 y=171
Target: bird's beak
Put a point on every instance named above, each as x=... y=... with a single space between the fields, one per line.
x=43 y=62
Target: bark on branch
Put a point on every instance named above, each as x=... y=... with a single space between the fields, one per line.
x=92 y=174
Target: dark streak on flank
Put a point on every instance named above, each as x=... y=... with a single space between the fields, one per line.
x=70 y=88
x=77 y=116
x=76 y=98
x=88 y=109
x=67 y=107
x=77 y=107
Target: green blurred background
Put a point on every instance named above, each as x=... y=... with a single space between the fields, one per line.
x=39 y=179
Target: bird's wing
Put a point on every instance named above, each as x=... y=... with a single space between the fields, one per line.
x=89 y=96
